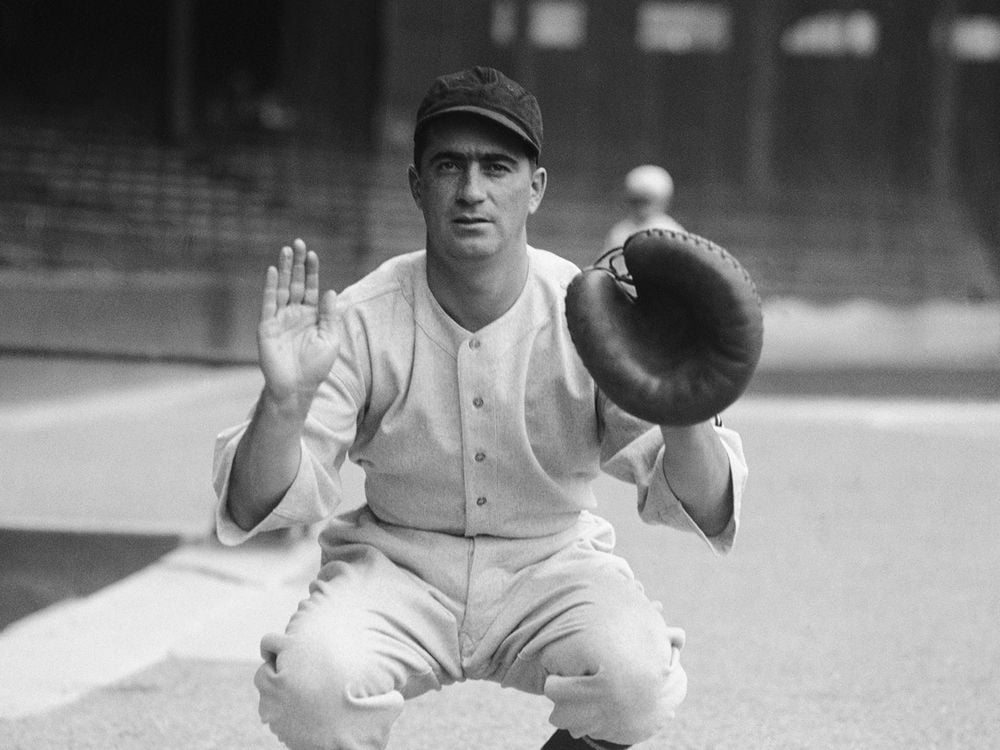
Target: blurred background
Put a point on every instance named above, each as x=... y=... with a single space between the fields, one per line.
x=155 y=155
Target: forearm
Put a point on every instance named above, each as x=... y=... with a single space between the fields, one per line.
x=266 y=461
x=696 y=466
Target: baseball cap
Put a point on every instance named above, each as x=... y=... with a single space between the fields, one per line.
x=489 y=93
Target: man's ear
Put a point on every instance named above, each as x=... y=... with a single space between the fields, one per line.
x=414 y=179
x=538 y=181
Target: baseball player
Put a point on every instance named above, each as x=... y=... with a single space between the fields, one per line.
x=648 y=192
x=449 y=375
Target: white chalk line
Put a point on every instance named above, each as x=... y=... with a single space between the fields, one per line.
x=133 y=401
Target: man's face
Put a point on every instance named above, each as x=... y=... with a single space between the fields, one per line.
x=476 y=187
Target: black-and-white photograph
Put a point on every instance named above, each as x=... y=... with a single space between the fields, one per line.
x=499 y=375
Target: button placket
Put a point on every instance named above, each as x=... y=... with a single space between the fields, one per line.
x=478 y=472
x=475 y=380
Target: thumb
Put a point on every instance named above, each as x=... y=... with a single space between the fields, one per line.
x=328 y=311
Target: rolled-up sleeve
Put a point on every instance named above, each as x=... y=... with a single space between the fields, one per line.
x=313 y=495
x=316 y=491
x=640 y=462
x=659 y=505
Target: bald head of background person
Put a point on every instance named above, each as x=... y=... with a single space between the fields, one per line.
x=648 y=194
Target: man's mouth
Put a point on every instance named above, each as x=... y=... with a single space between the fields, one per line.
x=470 y=220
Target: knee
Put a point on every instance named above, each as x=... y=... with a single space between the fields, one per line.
x=622 y=690
x=642 y=688
x=311 y=692
x=301 y=686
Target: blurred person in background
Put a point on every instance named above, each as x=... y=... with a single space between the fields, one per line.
x=649 y=191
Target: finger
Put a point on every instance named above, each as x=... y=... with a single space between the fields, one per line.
x=297 y=287
x=269 y=306
x=284 y=275
x=328 y=310
x=312 y=279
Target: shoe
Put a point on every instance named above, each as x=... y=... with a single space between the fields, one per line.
x=563 y=740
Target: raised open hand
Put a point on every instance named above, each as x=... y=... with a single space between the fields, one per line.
x=296 y=337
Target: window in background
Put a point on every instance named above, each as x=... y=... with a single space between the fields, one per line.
x=552 y=24
x=558 y=24
x=833 y=34
x=503 y=23
x=975 y=39
x=683 y=28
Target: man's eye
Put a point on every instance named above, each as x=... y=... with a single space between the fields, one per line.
x=497 y=167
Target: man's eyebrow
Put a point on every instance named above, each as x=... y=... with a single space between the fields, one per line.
x=463 y=156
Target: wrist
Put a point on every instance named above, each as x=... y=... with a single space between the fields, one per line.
x=679 y=434
x=290 y=407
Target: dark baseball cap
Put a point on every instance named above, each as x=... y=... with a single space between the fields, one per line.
x=489 y=93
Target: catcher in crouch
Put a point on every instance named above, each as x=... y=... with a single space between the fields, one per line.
x=450 y=376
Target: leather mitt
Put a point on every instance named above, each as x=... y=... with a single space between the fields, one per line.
x=674 y=337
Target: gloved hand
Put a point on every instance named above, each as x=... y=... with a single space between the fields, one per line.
x=674 y=337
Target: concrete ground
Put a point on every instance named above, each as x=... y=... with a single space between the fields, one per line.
x=858 y=609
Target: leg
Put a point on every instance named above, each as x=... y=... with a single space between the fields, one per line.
x=599 y=649
x=369 y=636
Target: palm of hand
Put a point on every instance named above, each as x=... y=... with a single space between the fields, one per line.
x=296 y=353
x=296 y=336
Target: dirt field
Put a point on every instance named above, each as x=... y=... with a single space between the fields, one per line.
x=858 y=609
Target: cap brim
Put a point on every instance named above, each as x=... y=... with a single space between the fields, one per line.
x=489 y=114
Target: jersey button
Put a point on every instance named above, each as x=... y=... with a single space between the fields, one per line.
x=480 y=457
x=478 y=402
x=474 y=343
x=480 y=501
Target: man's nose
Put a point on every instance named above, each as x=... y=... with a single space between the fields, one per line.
x=472 y=187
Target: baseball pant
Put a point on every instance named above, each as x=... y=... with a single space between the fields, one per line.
x=396 y=612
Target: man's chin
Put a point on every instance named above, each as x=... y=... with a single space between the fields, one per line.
x=474 y=247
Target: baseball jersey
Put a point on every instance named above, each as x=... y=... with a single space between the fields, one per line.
x=495 y=432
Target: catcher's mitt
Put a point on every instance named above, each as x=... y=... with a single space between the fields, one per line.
x=673 y=337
